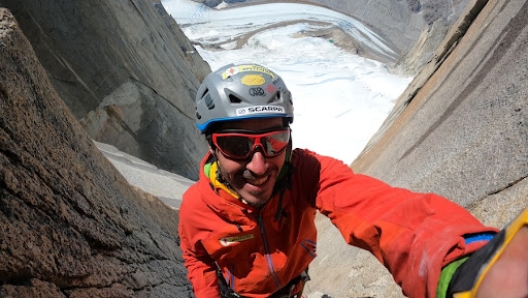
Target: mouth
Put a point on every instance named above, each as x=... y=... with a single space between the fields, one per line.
x=257 y=182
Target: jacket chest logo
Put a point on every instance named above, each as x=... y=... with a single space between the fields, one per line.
x=226 y=241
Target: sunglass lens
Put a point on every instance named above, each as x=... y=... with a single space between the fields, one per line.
x=234 y=146
x=275 y=143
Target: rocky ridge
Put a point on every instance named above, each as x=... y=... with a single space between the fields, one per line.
x=125 y=69
x=72 y=226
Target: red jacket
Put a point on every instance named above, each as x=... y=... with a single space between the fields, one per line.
x=260 y=250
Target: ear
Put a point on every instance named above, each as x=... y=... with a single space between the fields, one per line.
x=213 y=152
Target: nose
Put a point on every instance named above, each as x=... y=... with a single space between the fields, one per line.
x=257 y=164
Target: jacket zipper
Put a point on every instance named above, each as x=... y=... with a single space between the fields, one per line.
x=267 y=251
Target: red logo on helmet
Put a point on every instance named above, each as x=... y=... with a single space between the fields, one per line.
x=271 y=88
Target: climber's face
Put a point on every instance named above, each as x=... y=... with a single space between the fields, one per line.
x=251 y=154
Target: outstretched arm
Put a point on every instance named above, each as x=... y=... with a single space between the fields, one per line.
x=413 y=234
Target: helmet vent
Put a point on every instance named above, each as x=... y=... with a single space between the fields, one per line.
x=202 y=95
x=209 y=101
x=234 y=99
x=275 y=97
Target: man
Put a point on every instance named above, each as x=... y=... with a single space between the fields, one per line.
x=247 y=226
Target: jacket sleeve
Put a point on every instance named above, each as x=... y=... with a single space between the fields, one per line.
x=413 y=234
x=200 y=267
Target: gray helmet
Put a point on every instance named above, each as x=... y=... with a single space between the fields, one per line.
x=237 y=92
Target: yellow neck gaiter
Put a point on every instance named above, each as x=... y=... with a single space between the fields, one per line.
x=210 y=170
